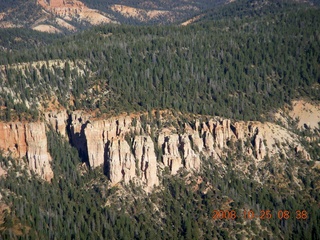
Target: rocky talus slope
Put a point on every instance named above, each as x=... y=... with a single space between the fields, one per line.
x=137 y=148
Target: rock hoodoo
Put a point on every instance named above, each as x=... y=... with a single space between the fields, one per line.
x=127 y=152
x=146 y=160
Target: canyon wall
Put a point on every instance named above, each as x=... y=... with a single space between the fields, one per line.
x=133 y=149
x=27 y=140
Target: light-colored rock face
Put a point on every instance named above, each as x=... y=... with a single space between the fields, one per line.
x=104 y=141
x=105 y=145
x=171 y=156
x=146 y=160
x=239 y=130
x=126 y=151
x=259 y=147
x=37 y=154
x=222 y=132
x=27 y=140
x=92 y=136
x=58 y=120
x=120 y=161
x=191 y=159
x=95 y=145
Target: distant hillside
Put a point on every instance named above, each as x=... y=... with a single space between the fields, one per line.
x=59 y=16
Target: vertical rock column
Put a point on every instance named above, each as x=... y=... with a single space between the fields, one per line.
x=37 y=150
x=95 y=144
x=171 y=155
x=146 y=160
x=192 y=160
x=120 y=161
x=27 y=140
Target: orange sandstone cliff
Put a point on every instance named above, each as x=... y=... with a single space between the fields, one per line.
x=27 y=140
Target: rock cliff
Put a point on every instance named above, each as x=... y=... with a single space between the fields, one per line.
x=27 y=140
x=146 y=160
x=135 y=149
x=120 y=161
x=58 y=120
x=127 y=152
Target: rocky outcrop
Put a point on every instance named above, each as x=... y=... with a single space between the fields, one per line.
x=27 y=140
x=146 y=160
x=260 y=148
x=13 y=139
x=126 y=146
x=127 y=151
x=76 y=125
x=222 y=132
x=58 y=120
x=91 y=136
x=95 y=144
x=37 y=151
x=191 y=159
x=105 y=145
x=171 y=156
x=120 y=161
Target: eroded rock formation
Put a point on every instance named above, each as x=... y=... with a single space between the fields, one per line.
x=73 y=9
x=37 y=151
x=126 y=147
x=120 y=161
x=27 y=140
x=58 y=120
x=146 y=160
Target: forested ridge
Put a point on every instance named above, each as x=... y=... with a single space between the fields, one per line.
x=238 y=68
x=230 y=63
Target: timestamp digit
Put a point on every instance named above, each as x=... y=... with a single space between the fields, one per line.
x=283 y=214
x=232 y=214
x=265 y=214
x=301 y=214
x=222 y=214
x=249 y=214
x=215 y=214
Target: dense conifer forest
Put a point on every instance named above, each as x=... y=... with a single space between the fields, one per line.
x=231 y=63
x=234 y=67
